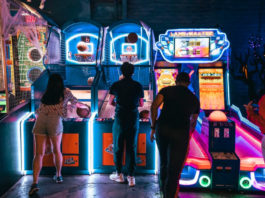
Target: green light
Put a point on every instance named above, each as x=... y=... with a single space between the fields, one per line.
x=205 y=181
x=245 y=182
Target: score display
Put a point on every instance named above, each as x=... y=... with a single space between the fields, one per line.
x=192 y=47
x=211 y=85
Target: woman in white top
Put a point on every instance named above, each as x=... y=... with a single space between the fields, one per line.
x=49 y=124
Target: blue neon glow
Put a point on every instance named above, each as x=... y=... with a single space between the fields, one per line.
x=124 y=47
x=164 y=43
x=243 y=119
x=156 y=159
x=67 y=48
x=90 y=143
x=190 y=182
x=228 y=88
x=21 y=123
x=136 y=62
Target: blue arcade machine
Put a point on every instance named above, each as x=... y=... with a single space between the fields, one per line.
x=127 y=41
x=73 y=52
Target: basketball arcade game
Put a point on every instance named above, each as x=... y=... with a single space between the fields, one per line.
x=200 y=53
x=127 y=41
x=74 y=53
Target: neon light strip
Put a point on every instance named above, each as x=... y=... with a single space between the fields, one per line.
x=125 y=35
x=90 y=143
x=202 y=61
x=193 y=181
x=67 y=48
x=228 y=88
x=255 y=183
x=156 y=159
x=244 y=120
x=250 y=138
x=21 y=123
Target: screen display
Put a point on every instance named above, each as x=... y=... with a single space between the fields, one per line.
x=192 y=47
x=211 y=86
x=129 y=49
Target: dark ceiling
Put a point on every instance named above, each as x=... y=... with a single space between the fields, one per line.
x=63 y=11
x=104 y=12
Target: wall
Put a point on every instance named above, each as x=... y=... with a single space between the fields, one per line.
x=237 y=18
x=9 y=147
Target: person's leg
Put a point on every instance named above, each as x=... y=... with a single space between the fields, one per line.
x=162 y=145
x=177 y=152
x=57 y=154
x=118 y=143
x=131 y=146
x=40 y=143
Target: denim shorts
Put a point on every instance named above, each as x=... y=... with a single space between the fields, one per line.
x=49 y=124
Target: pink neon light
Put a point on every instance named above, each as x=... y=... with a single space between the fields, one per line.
x=248 y=149
x=197 y=158
x=191 y=72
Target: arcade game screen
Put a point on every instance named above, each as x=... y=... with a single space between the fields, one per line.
x=211 y=86
x=192 y=47
x=165 y=77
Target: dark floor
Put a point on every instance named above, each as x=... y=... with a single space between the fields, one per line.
x=100 y=186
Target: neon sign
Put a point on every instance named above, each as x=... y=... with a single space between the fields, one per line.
x=192 y=45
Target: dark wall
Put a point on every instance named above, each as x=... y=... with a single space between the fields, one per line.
x=237 y=18
x=9 y=147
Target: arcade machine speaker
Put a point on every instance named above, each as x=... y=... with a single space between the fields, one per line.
x=225 y=163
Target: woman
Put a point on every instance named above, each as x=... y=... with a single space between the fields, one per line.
x=49 y=125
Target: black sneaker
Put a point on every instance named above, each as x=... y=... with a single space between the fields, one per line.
x=58 y=179
x=33 y=189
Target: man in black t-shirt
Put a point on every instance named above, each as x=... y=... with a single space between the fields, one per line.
x=173 y=129
x=129 y=96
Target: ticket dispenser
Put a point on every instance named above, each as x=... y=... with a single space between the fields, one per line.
x=225 y=162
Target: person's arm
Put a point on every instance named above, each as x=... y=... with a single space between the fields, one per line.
x=70 y=97
x=154 y=110
x=111 y=100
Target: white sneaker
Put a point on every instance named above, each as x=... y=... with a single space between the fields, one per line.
x=131 y=181
x=117 y=177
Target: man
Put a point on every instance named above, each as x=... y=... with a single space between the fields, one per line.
x=129 y=95
x=173 y=129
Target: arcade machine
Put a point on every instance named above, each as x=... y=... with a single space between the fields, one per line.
x=3 y=105
x=74 y=53
x=127 y=41
x=203 y=54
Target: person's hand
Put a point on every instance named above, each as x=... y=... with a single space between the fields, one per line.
x=152 y=136
x=249 y=106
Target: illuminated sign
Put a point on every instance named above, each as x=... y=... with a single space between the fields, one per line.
x=121 y=52
x=128 y=48
x=192 y=45
x=211 y=85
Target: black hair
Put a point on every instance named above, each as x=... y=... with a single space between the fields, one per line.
x=127 y=69
x=55 y=90
x=183 y=77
